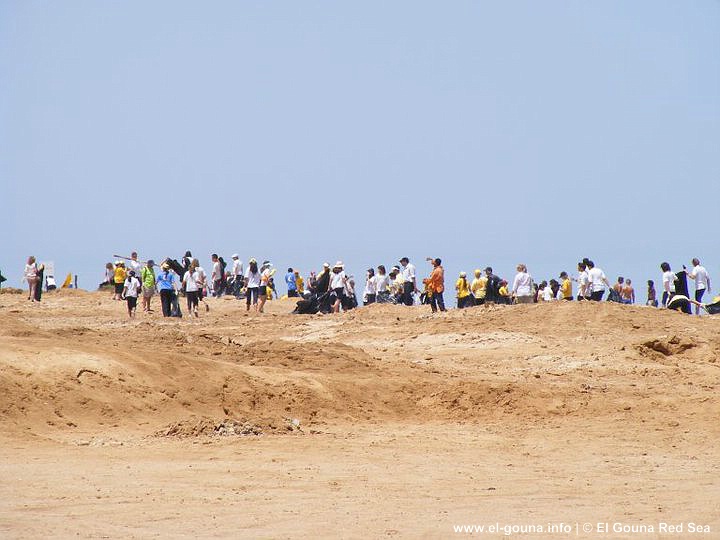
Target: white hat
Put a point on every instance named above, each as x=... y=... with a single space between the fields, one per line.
x=326 y=265
x=253 y=260
x=463 y=274
x=339 y=264
x=235 y=256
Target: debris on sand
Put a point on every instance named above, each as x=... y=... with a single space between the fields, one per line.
x=210 y=428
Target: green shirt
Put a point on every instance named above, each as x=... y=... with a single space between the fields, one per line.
x=148 y=277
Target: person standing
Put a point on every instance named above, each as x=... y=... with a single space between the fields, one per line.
x=134 y=264
x=492 y=286
x=409 y=281
x=131 y=288
x=338 y=283
x=583 y=282
x=147 y=276
x=478 y=288
x=266 y=273
x=668 y=279
x=300 y=284
x=191 y=284
x=322 y=288
x=370 y=293
x=702 y=282
x=597 y=281
x=565 y=286
x=627 y=294
x=436 y=285
x=202 y=283
x=217 y=275
x=252 y=284
x=31 y=275
x=291 y=282
x=166 y=285
x=237 y=272
x=462 y=288
x=382 y=285
x=522 y=289
x=119 y=278
x=651 y=294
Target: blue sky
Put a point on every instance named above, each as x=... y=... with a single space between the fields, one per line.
x=479 y=132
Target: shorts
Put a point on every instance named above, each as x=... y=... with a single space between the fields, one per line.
x=337 y=294
x=131 y=302
x=263 y=291
x=119 y=288
x=148 y=292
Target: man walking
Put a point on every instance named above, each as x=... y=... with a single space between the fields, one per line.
x=409 y=281
x=436 y=285
x=237 y=271
x=702 y=282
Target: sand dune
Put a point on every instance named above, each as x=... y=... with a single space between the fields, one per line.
x=397 y=422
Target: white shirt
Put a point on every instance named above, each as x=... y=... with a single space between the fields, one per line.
x=701 y=277
x=135 y=265
x=381 y=283
x=371 y=285
x=337 y=281
x=408 y=273
x=201 y=276
x=522 y=284
x=669 y=277
x=132 y=284
x=547 y=294
x=597 y=279
x=252 y=279
x=191 y=281
x=31 y=271
x=217 y=271
x=237 y=268
x=583 y=282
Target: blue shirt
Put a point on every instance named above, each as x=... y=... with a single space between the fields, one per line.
x=165 y=281
x=290 y=280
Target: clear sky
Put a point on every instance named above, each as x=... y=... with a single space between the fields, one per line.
x=303 y=132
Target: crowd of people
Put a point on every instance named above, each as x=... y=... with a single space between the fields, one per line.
x=332 y=289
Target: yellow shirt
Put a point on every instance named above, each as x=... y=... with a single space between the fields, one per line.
x=503 y=290
x=479 y=287
x=120 y=275
x=300 y=284
x=566 y=288
x=461 y=286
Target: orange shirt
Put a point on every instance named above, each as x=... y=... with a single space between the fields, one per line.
x=436 y=282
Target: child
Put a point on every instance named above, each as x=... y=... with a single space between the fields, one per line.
x=130 y=292
x=503 y=292
x=652 y=295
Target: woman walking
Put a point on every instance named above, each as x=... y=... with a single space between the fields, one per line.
x=32 y=277
x=252 y=282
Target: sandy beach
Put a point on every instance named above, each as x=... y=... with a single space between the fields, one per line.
x=384 y=421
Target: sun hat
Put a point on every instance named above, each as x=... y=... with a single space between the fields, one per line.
x=165 y=266
x=326 y=265
x=463 y=274
x=235 y=256
x=339 y=264
x=252 y=260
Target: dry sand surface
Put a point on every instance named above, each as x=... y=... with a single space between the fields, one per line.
x=382 y=422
